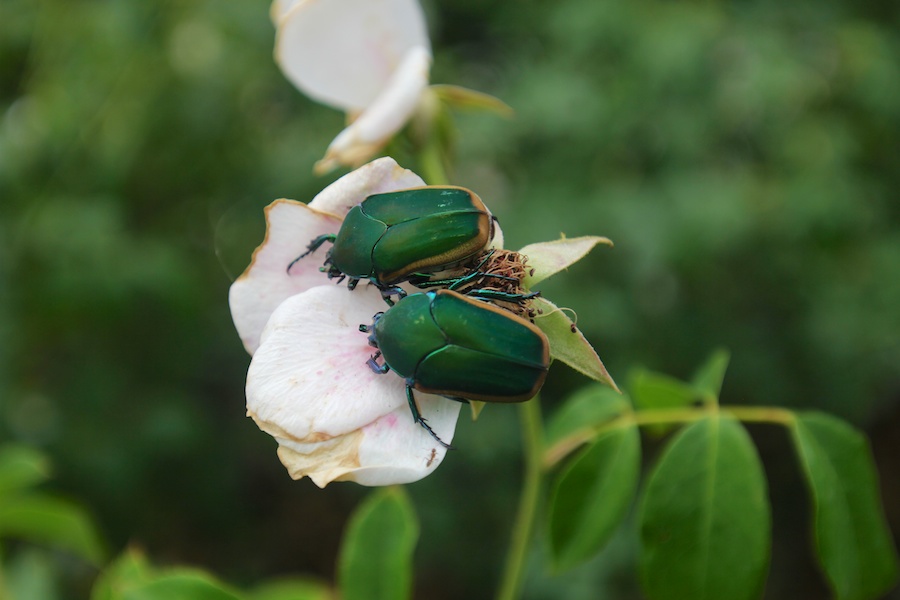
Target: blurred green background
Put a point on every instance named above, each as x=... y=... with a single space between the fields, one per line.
x=742 y=155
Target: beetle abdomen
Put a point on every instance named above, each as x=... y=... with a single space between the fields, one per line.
x=466 y=373
x=427 y=229
x=444 y=343
x=429 y=243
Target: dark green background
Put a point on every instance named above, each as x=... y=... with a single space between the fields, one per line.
x=742 y=155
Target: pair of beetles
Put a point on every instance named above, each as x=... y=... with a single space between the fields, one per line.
x=454 y=340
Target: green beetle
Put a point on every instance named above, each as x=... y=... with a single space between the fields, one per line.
x=406 y=235
x=442 y=342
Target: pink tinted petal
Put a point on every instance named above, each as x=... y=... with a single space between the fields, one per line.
x=309 y=376
x=397 y=450
x=385 y=116
x=380 y=175
x=309 y=387
x=266 y=283
x=342 y=53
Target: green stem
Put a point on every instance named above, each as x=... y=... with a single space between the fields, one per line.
x=747 y=414
x=432 y=163
x=533 y=447
x=4 y=591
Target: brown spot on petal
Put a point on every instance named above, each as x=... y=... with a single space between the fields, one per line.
x=431 y=458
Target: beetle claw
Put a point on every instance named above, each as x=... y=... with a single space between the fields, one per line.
x=376 y=368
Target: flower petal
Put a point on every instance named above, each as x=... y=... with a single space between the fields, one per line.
x=549 y=258
x=343 y=53
x=334 y=418
x=380 y=175
x=266 y=283
x=290 y=226
x=384 y=117
x=280 y=8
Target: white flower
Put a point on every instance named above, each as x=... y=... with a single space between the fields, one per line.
x=369 y=58
x=308 y=384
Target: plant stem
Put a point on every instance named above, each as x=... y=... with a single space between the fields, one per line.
x=533 y=448
x=432 y=164
x=747 y=414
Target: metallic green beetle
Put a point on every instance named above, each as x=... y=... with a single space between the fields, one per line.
x=405 y=236
x=444 y=343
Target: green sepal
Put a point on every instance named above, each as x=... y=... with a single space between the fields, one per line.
x=568 y=344
x=458 y=97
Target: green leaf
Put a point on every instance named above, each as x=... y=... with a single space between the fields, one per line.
x=294 y=588
x=592 y=496
x=654 y=390
x=585 y=409
x=548 y=258
x=651 y=390
x=464 y=98
x=181 y=584
x=704 y=518
x=568 y=344
x=573 y=424
x=708 y=378
x=40 y=518
x=852 y=540
x=376 y=554
x=128 y=571
x=31 y=573
x=131 y=577
x=21 y=467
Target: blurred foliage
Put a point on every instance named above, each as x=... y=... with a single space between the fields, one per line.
x=742 y=156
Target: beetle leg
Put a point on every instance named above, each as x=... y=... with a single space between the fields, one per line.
x=313 y=246
x=473 y=276
x=370 y=329
x=497 y=295
x=373 y=364
x=386 y=294
x=454 y=283
x=352 y=283
x=418 y=418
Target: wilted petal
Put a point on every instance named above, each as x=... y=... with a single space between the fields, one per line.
x=309 y=387
x=380 y=175
x=384 y=117
x=549 y=258
x=266 y=283
x=344 y=52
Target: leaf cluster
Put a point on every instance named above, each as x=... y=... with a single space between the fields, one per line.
x=703 y=514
